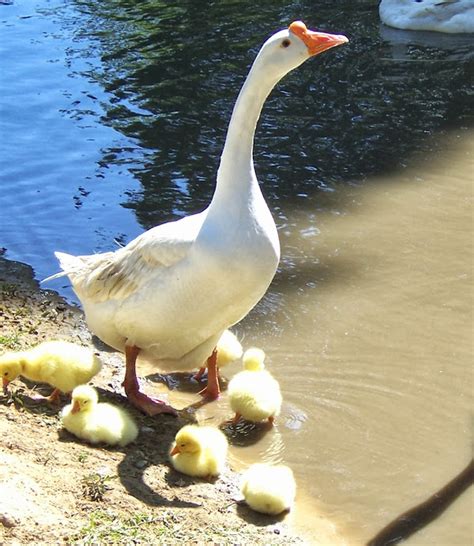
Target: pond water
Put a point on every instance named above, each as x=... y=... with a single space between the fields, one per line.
x=113 y=115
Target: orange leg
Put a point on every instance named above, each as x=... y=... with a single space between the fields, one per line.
x=147 y=405
x=212 y=390
x=53 y=398
x=236 y=418
x=200 y=373
x=271 y=420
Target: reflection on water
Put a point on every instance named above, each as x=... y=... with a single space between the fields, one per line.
x=124 y=107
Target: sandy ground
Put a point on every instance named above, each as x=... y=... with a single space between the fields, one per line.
x=56 y=490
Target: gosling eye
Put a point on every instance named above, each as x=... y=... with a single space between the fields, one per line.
x=286 y=43
x=6 y=374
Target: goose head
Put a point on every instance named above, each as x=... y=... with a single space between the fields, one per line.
x=289 y=48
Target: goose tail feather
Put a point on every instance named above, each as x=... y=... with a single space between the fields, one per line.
x=67 y=262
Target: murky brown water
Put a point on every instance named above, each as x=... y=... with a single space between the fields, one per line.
x=372 y=345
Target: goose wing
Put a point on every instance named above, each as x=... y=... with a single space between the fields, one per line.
x=117 y=275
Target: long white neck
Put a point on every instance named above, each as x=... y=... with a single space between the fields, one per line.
x=236 y=165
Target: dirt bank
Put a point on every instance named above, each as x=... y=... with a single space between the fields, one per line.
x=56 y=490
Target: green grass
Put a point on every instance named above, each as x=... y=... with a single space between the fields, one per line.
x=10 y=342
x=104 y=527
x=8 y=288
x=13 y=396
x=94 y=486
x=82 y=457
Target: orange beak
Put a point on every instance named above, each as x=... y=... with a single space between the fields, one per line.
x=76 y=407
x=175 y=450
x=5 y=382
x=316 y=42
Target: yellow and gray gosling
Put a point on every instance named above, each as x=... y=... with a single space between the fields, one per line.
x=61 y=364
x=254 y=394
x=199 y=451
x=269 y=489
x=97 y=422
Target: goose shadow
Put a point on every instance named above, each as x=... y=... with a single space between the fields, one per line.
x=146 y=453
x=176 y=479
x=150 y=455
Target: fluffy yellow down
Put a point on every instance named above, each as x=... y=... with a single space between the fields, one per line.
x=254 y=393
x=61 y=364
x=229 y=349
x=94 y=422
x=269 y=489
x=254 y=359
x=199 y=451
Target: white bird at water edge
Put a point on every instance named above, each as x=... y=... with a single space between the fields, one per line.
x=168 y=295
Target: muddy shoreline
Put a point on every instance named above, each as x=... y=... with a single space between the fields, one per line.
x=49 y=482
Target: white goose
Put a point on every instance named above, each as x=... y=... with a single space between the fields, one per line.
x=452 y=16
x=169 y=294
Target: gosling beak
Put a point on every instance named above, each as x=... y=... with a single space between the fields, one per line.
x=175 y=451
x=316 y=42
x=76 y=407
x=5 y=382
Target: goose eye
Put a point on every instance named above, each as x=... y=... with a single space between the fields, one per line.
x=286 y=42
x=6 y=374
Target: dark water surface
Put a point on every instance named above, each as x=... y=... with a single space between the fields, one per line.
x=112 y=119
x=114 y=106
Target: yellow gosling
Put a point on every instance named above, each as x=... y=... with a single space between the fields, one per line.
x=199 y=451
x=269 y=489
x=61 y=364
x=97 y=422
x=254 y=394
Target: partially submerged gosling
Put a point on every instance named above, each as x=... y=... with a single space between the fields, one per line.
x=229 y=349
x=253 y=393
x=269 y=489
x=61 y=364
x=97 y=422
x=199 y=451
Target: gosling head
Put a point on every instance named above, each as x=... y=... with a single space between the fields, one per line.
x=10 y=368
x=186 y=441
x=254 y=359
x=84 y=398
